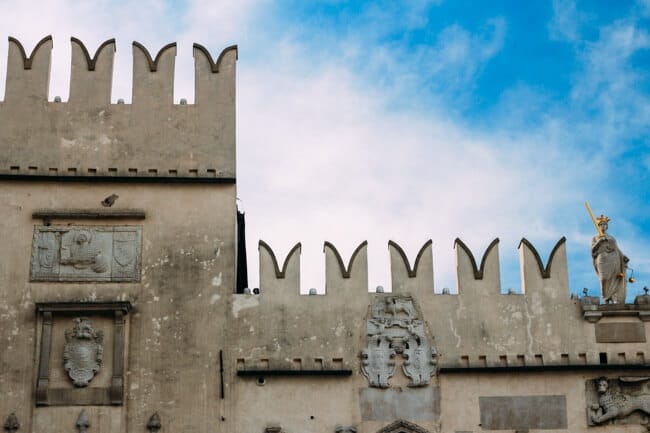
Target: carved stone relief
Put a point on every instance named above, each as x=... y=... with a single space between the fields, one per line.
x=86 y=253
x=83 y=351
x=625 y=400
x=395 y=331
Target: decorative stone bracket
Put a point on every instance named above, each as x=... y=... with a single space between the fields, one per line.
x=593 y=311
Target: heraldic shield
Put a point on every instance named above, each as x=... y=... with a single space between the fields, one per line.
x=124 y=251
x=83 y=351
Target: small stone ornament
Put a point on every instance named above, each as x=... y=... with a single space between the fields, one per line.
x=83 y=422
x=83 y=351
x=154 y=425
x=11 y=424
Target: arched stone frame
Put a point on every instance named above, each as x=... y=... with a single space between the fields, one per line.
x=402 y=426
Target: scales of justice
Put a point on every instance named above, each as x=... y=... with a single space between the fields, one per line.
x=609 y=262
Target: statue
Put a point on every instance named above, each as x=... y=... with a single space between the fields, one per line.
x=610 y=263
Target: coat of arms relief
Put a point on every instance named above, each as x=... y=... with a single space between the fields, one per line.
x=83 y=351
x=395 y=332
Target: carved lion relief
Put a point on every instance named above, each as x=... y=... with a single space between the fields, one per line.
x=395 y=332
x=83 y=351
x=625 y=400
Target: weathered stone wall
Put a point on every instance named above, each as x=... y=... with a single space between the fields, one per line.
x=152 y=271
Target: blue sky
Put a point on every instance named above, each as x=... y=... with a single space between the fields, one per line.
x=409 y=120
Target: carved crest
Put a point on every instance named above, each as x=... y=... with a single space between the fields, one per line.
x=124 y=252
x=377 y=362
x=394 y=331
x=83 y=351
x=420 y=363
x=47 y=251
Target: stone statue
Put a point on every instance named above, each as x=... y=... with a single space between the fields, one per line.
x=610 y=264
x=616 y=405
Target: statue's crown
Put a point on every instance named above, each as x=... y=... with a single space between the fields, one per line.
x=602 y=219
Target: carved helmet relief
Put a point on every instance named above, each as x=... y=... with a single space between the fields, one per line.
x=83 y=351
x=395 y=331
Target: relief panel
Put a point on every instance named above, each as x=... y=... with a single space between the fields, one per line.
x=625 y=400
x=86 y=253
x=395 y=332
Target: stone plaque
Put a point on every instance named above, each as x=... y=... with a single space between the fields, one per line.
x=622 y=332
x=389 y=404
x=524 y=412
x=86 y=253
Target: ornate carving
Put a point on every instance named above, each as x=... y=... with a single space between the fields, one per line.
x=83 y=351
x=86 y=253
x=11 y=424
x=402 y=426
x=79 y=251
x=618 y=400
x=395 y=329
x=377 y=362
x=420 y=363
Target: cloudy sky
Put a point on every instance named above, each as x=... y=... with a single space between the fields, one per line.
x=408 y=120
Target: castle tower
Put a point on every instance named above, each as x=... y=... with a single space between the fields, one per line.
x=119 y=231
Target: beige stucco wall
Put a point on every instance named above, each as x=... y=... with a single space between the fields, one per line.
x=175 y=328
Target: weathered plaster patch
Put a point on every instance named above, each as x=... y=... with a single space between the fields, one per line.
x=216 y=281
x=244 y=302
x=214 y=298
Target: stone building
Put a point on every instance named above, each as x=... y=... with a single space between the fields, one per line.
x=123 y=309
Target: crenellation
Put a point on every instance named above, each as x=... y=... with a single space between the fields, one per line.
x=418 y=279
x=87 y=136
x=472 y=279
x=28 y=78
x=552 y=279
x=153 y=79
x=91 y=78
x=340 y=277
x=278 y=281
x=212 y=79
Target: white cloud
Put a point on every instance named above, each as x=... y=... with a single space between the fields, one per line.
x=566 y=21
x=327 y=159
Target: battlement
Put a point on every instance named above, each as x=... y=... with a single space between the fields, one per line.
x=478 y=328
x=472 y=279
x=89 y=137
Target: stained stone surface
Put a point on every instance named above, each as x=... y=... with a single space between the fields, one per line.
x=386 y=405
x=622 y=332
x=523 y=412
x=86 y=253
